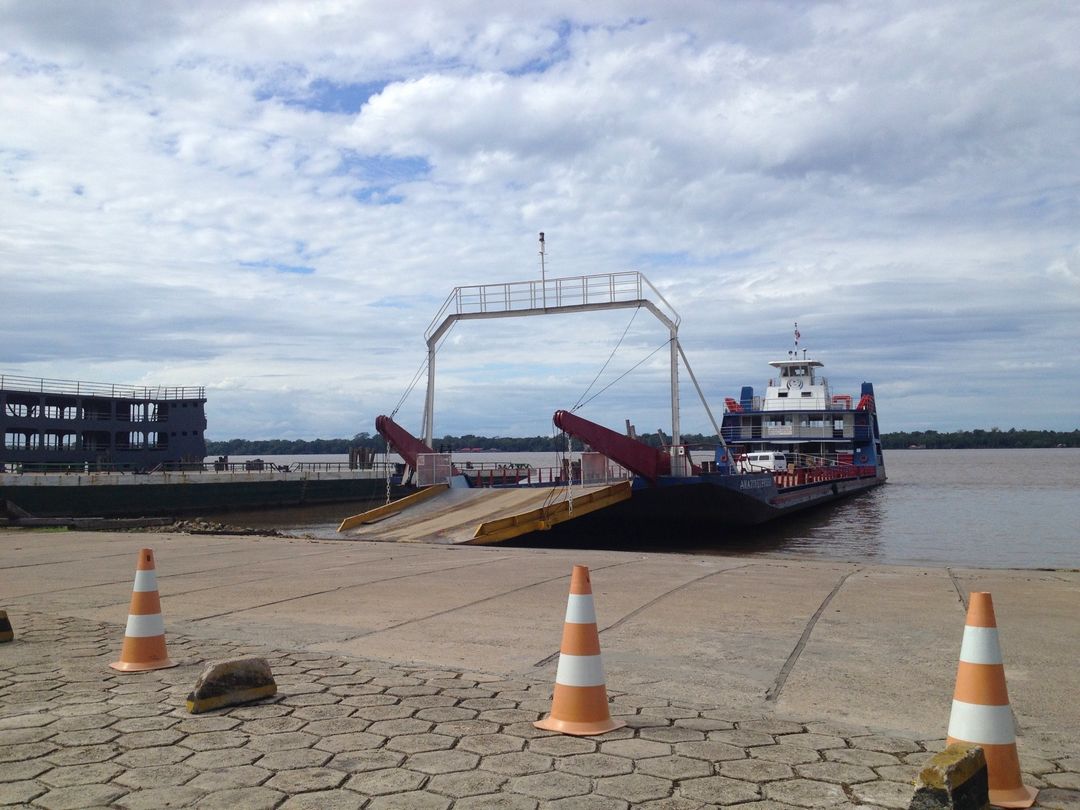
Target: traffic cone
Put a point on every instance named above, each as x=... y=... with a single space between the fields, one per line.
x=144 y=638
x=579 y=705
x=980 y=709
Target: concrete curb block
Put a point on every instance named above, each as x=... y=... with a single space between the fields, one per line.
x=227 y=683
x=954 y=779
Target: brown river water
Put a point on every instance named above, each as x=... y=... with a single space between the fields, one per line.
x=979 y=508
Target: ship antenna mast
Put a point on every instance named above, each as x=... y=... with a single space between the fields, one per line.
x=543 y=276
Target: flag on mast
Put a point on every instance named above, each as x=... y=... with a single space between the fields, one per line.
x=797 y=335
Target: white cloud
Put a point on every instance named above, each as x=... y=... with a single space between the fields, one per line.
x=899 y=178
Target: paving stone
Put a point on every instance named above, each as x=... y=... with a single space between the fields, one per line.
x=491 y=744
x=415 y=800
x=272 y=725
x=350 y=742
x=683 y=803
x=28 y=720
x=325 y=800
x=788 y=754
x=258 y=711
x=226 y=758
x=586 y=803
x=431 y=701
x=839 y=772
x=885 y=794
x=551 y=785
x=24 y=751
x=633 y=787
x=856 y=756
x=897 y=773
x=145 y=757
x=156 y=776
x=672 y=734
x=639 y=749
x=21 y=771
x=360 y=761
x=79 y=797
x=497 y=801
x=888 y=745
x=295 y=758
x=463 y=728
x=519 y=763
x=805 y=793
x=148 y=739
x=21 y=792
x=644 y=721
x=252 y=798
x=562 y=745
x=510 y=716
x=1067 y=781
x=710 y=750
x=433 y=762
x=704 y=724
x=213 y=740
x=466 y=783
x=744 y=738
x=83 y=754
x=206 y=722
x=339 y=725
x=32 y=735
x=284 y=741
x=416 y=743
x=388 y=780
x=302 y=780
x=240 y=776
x=755 y=770
x=527 y=730
x=1059 y=799
x=718 y=790
x=133 y=724
x=675 y=767
x=818 y=742
x=771 y=725
x=97 y=772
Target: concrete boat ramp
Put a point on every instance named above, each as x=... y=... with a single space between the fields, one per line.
x=442 y=514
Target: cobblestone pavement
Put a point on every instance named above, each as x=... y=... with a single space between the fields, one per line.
x=354 y=733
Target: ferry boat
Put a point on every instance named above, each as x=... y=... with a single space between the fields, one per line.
x=796 y=446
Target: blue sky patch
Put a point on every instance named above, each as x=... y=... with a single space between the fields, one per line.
x=279 y=267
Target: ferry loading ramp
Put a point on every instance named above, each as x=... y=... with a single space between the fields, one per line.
x=482 y=516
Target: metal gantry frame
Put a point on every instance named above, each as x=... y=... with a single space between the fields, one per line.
x=552 y=296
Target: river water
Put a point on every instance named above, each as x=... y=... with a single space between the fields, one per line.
x=979 y=508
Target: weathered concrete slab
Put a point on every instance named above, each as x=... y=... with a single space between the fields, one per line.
x=857 y=644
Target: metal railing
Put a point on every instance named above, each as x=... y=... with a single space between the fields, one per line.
x=519 y=296
x=379 y=468
x=40 y=385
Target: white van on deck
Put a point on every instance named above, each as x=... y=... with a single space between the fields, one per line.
x=762 y=462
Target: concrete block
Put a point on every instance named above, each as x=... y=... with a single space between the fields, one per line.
x=6 y=633
x=226 y=683
x=954 y=779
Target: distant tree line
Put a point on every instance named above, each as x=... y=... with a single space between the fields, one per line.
x=992 y=438
x=931 y=439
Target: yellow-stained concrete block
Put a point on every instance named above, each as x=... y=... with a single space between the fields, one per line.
x=954 y=779
x=226 y=683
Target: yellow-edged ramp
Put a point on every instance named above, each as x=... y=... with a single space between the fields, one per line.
x=480 y=516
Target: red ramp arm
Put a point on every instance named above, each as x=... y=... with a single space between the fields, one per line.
x=639 y=458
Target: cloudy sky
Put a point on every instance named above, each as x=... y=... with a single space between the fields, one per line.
x=273 y=199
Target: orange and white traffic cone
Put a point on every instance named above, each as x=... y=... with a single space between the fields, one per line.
x=980 y=709
x=144 y=638
x=579 y=705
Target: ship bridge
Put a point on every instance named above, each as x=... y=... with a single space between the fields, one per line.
x=797 y=387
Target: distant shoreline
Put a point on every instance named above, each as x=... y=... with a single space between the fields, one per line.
x=993 y=439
